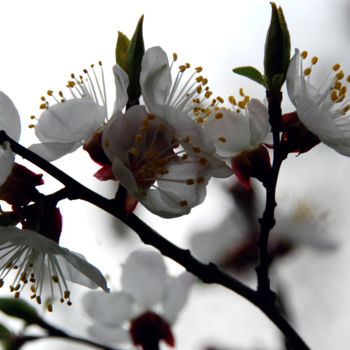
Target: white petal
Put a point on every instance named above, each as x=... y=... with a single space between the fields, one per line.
x=176 y=295
x=121 y=82
x=6 y=161
x=233 y=127
x=110 y=309
x=75 y=268
x=144 y=277
x=155 y=77
x=9 y=117
x=54 y=150
x=71 y=121
x=109 y=336
x=185 y=126
x=258 y=121
x=293 y=76
x=126 y=177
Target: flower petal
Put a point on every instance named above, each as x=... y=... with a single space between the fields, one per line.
x=109 y=336
x=259 y=125
x=54 y=150
x=74 y=267
x=9 y=117
x=176 y=295
x=110 y=309
x=144 y=277
x=71 y=121
x=121 y=82
x=155 y=77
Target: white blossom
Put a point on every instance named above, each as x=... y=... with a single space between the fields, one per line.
x=322 y=110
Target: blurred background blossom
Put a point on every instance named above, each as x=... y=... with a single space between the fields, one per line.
x=44 y=42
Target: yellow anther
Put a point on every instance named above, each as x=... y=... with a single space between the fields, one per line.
x=182 y=68
x=100 y=63
x=69 y=303
x=246 y=99
x=138 y=137
x=314 y=60
x=334 y=96
x=92 y=65
x=241 y=104
x=189 y=181
x=196 y=149
x=71 y=84
x=32 y=288
x=150 y=116
x=202 y=161
x=43 y=106
x=348 y=79
x=232 y=100
x=175 y=56
x=49 y=92
x=346 y=108
x=184 y=157
x=343 y=90
x=60 y=93
x=55 y=278
x=241 y=92
x=200 y=179
x=304 y=54
x=200 y=120
x=183 y=203
x=336 y=67
x=199 y=89
x=207 y=94
x=187 y=139
x=32 y=117
x=42 y=98
x=49 y=308
x=198 y=69
x=66 y=294
x=221 y=139
x=337 y=85
x=204 y=81
x=187 y=65
x=17 y=294
x=340 y=75
x=307 y=71
x=133 y=151
x=218 y=115
x=199 y=79
x=238 y=110
x=107 y=143
x=196 y=100
x=85 y=70
x=72 y=76
x=220 y=99
x=31 y=126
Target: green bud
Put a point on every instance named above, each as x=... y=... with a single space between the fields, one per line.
x=251 y=73
x=277 y=49
x=134 y=60
x=20 y=309
x=121 y=50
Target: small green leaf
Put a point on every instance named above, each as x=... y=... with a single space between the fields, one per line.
x=4 y=332
x=251 y=73
x=20 y=309
x=134 y=60
x=121 y=50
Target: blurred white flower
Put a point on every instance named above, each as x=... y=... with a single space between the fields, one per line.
x=144 y=310
x=64 y=126
x=10 y=122
x=38 y=261
x=323 y=110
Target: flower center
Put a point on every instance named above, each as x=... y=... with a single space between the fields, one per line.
x=336 y=89
x=31 y=267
